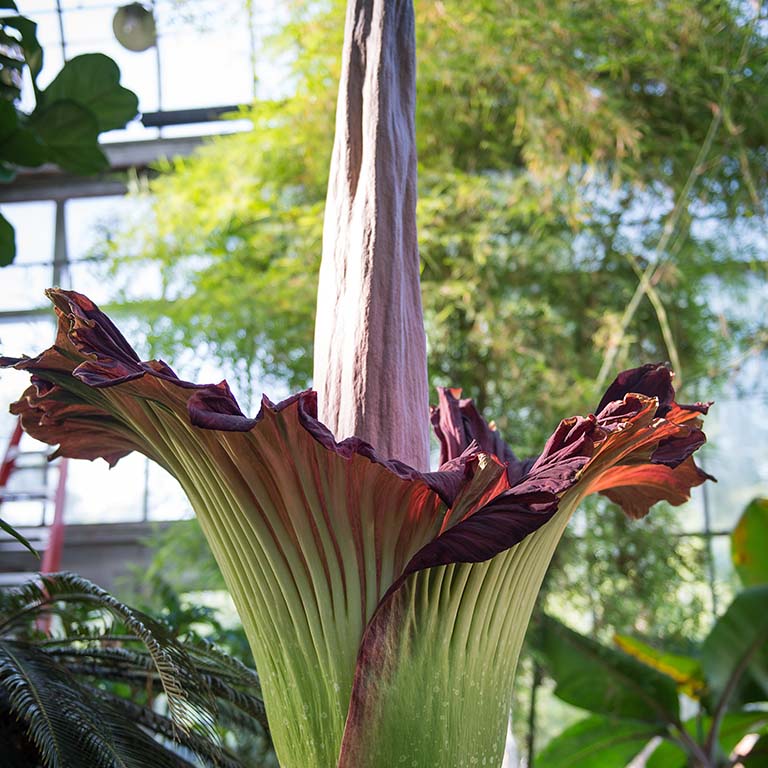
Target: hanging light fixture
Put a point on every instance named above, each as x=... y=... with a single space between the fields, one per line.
x=134 y=27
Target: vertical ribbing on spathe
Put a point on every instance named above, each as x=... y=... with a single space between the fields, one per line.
x=370 y=348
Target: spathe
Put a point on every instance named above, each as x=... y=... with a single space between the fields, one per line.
x=349 y=569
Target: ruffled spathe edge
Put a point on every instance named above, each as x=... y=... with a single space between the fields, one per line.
x=91 y=349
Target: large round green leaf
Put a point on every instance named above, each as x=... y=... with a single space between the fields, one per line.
x=749 y=544
x=604 y=680
x=70 y=133
x=18 y=145
x=597 y=742
x=734 y=656
x=7 y=242
x=93 y=81
x=23 y=148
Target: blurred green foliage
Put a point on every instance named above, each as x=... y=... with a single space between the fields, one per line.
x=633 y=692
x=749 y=544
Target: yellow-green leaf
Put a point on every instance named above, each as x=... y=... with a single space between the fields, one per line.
x=749 y=543
x=684 y=670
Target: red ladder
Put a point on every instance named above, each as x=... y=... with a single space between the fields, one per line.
x=52 y=555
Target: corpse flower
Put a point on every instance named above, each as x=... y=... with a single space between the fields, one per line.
x=385 y=604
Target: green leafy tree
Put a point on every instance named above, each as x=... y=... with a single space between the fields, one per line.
x=566 y=152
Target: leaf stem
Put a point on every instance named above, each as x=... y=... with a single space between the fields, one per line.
x=690 y=744
x=730 y=687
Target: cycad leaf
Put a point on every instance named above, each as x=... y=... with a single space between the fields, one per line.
x=225 y=681
x=104 y=641
x=40 y=696
x=65 y=722
x=189 y=698
x=126 y=711
x=11 y=531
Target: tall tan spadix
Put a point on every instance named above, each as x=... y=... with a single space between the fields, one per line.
x=370 y=348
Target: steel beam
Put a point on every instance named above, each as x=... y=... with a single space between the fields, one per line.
x=50 y=183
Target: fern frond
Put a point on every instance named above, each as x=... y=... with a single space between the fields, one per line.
x=59 y=687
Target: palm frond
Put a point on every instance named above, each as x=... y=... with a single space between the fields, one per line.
x=205 y=652
x=88 y=695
